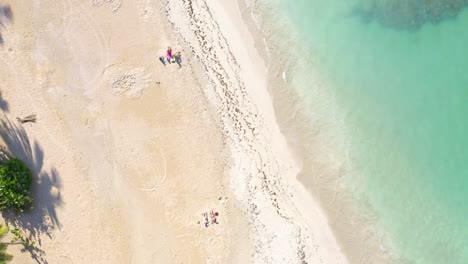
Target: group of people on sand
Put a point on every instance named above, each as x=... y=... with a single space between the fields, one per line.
x=171 y=57
x=213 y=217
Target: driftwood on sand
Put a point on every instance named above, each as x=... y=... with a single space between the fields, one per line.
x=27 y=119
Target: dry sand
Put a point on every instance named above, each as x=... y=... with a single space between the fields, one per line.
x=128 y=153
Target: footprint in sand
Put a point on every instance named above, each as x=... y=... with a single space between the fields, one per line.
x=114 y=4
x=125 y=80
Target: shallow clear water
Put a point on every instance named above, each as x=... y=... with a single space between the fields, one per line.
x=403 y=95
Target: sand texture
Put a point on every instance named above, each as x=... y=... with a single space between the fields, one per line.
x=288 y=226
x=128 y=153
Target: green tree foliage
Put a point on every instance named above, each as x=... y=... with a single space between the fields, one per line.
x=15 y=182
x=4 y=257
x=19 y=237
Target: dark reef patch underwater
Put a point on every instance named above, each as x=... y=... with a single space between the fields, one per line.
x=409 y=14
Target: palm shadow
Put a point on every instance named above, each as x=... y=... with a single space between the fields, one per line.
x=4 y=106
x=45 y=188
x=6 y=15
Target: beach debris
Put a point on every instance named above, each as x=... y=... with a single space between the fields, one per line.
x=222 y=200
x=28 y=119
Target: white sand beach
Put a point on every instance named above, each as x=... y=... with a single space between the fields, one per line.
x=128 y=153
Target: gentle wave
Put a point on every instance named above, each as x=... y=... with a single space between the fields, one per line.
x=380 y=112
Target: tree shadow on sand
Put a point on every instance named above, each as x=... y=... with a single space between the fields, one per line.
x=4 y=106
x=6 y=15
x=45 y=188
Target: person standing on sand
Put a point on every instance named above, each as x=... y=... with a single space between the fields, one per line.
x=169 y=54
x=213 y=217
x=205 y=218
x=178 y=58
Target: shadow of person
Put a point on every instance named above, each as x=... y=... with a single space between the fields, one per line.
x=161 y=59
x=42 y=219
x=6 y=15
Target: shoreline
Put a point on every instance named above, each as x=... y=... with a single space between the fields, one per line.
x=263 y=174
x=324 y=166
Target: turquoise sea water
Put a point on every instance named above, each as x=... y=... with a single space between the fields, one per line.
x=402 y=89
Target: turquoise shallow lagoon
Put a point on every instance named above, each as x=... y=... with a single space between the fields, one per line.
x=402 y=93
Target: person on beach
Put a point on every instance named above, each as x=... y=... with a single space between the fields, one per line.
x=205 y=219
x=213 y=217
x=178 y=58
x=169 y=54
